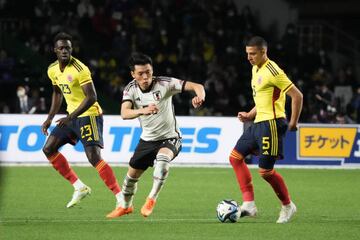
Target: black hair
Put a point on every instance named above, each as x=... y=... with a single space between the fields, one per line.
x=62 y=36
x=138 y=59
x=256 y=41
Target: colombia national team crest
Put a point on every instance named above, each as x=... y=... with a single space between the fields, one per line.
x=157 y=95
x=69 y=78
x=259 y=80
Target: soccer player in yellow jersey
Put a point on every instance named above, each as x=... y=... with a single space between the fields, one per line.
x=71 y=79
x=270 y=85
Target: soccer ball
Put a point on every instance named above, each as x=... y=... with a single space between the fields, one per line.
x=228 y=211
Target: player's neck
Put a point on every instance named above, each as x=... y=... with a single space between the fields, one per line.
x=63 y=64
x=262 y=62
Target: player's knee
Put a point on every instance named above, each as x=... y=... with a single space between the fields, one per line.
x=161 y=168
x=235 y=157
x=93 y=156
x=48 y=151
x=265 y=173
x=94 y=161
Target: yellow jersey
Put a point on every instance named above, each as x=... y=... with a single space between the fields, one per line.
x=269 y=85
x=75 y=75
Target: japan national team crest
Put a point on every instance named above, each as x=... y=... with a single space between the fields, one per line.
x=69 y=78
x=259 y=80
x=157 y=95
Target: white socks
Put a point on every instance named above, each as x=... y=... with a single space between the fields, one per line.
x=161 y=171
x=127 y=193
x=78 y=184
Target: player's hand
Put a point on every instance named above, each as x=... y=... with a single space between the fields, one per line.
x=63 y=121
x=292 y=127
x=45 y=126
x=197 y=101
x=243 y=116
x=151 y=109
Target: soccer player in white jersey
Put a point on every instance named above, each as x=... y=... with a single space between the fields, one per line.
x=149 y=98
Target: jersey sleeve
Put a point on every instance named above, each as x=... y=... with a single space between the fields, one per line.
x=128 y=95
x=175 y=85
x=281 y=80
x=84 y=76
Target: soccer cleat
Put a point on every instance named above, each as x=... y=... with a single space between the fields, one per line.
x=119 y=211
x=249 y=210
x=78 y=195
x=286 y=212
x=148 y=207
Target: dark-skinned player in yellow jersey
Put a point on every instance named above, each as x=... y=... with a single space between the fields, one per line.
x=71 y=79
x=270 y=86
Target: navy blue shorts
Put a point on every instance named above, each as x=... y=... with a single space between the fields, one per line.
x=146 y=151
x=87 y=129
x=264 y=139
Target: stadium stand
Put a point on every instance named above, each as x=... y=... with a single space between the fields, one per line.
x=197 y=40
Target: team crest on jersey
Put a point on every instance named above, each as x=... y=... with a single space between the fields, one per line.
x=259 y=80
x=157 y=95
x=70 y=78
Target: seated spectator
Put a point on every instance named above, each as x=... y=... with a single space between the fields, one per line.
x=323 y=101
x=24 y=104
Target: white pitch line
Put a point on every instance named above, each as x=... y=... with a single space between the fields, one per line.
x=108 y=221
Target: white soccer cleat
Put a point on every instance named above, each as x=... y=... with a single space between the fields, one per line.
x=78 y=195
x=286 y=213
x=248 y=209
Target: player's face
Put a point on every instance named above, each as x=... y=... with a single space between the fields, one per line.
x=143 y=75
x=63 y=50
x=256 y=55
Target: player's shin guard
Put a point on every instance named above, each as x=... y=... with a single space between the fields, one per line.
x=161 y=171
x=277 y=183
x=61 y=165
x=107 y=175
x=243 y=176
x=128 y=190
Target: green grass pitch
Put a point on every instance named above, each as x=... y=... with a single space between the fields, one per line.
x=33 y=199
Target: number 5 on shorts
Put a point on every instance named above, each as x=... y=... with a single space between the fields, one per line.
x=265 y=143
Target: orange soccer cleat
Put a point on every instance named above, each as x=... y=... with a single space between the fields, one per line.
x=148 y=207
x=119 y=211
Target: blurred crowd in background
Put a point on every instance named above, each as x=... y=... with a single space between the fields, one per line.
x=197 y=40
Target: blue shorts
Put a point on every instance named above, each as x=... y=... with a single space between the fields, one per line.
x=87 y=129
x=264 y=139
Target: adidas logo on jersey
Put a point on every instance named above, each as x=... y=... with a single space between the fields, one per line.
x=265 y=153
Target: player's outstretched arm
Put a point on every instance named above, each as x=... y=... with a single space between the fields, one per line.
x=56 y=101
x=296 y=106
x=199 y=90
x=128 y=113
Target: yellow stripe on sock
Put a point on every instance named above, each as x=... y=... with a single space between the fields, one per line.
x=53 y=157
x=236 y=155
x=100 y=165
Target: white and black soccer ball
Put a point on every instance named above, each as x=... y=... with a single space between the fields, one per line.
x=228 y=211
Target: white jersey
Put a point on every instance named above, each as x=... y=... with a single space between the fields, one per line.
x=161 y=125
